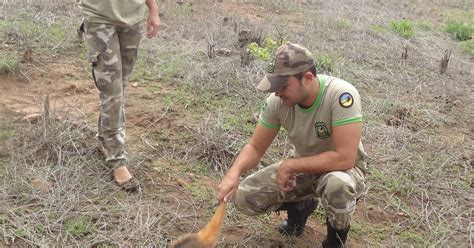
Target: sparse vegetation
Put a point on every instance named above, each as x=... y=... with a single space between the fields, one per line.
x=325 y=62
x=5 y=134
x=411 y=236
x=78 y=227
x=200 y=193
x=426 y=25
x=462 y=31
x=265 y=52
x=344 y=23
x=9 y=63
x=46 y=35
x=380 y=29
x=404 y=28
x=468 y=47
x=189 y=114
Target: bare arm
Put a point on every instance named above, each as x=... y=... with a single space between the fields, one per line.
x=153 y=20
x=247 y=159
x=346 y=142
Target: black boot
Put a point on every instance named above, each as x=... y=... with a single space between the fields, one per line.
x=335 y=238
x=298 y=213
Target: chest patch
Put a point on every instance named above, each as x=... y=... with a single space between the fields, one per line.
x=321 y=130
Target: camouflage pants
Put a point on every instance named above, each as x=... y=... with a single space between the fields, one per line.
x=112 y=51
x=337 y=190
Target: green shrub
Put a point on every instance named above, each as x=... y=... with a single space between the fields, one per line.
x=325 y=62
x=8 y=63
x=468 y=47
x=404 y=28
x=78 y=227
x=265 y=52
x=460 y=30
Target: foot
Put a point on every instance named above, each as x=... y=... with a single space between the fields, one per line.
x=124 y=179
x=288 y=229
x=335 y=238
x=298 y=214
x=121 y=174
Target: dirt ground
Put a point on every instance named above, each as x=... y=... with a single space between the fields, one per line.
x=73 y=95
x=22 y=100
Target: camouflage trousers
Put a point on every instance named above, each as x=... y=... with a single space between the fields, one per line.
x=337 y=190
x=112 y=51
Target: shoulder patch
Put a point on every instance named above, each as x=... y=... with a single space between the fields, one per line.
x=346 y=100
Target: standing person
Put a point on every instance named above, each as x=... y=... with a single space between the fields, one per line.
x=322 y=117
x=112 y=32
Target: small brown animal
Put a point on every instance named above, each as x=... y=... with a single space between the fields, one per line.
x=207 y=237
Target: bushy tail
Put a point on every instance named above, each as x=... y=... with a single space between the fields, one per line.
x=210 y=233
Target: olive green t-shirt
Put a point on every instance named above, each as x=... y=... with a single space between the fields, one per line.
x=309 y=130
x=118 y=12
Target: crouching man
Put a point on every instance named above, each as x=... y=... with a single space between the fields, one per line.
x=322 y=117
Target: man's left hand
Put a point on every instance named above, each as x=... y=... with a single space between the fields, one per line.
x=285 y=178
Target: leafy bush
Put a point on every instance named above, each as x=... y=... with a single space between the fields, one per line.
x=460 y=30
x=8 y=63
x=264 y=53
x=325 y=61
x=404 y=28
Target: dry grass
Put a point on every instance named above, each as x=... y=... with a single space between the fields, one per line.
x=417 y=127
x=82 y=207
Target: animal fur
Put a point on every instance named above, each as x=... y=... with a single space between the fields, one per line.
x=208 y=236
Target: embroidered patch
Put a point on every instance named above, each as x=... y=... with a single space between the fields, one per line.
x=321 y=130
x=346 y=100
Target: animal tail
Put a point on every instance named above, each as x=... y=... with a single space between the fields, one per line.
x=210 y=232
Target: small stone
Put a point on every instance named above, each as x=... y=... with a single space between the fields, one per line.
x=41 y=185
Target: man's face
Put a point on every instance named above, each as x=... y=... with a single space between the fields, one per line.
x=293 y=92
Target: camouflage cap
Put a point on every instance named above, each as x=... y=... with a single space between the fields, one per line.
x=290 y=59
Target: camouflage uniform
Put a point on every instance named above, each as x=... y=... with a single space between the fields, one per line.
x=338 y=191
x=112 y=51
x=309 y=130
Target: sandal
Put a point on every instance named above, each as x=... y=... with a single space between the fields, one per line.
x=131 y=185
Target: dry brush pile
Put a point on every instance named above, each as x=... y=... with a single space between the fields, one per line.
x=57 y=192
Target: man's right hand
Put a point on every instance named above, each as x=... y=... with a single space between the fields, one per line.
x=247 y=159
x=227 y=187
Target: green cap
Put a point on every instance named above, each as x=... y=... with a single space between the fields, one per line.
x=290 y=59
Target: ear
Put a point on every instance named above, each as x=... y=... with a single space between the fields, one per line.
x=308 y=76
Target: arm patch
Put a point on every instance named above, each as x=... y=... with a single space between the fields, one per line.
x=346 y=100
